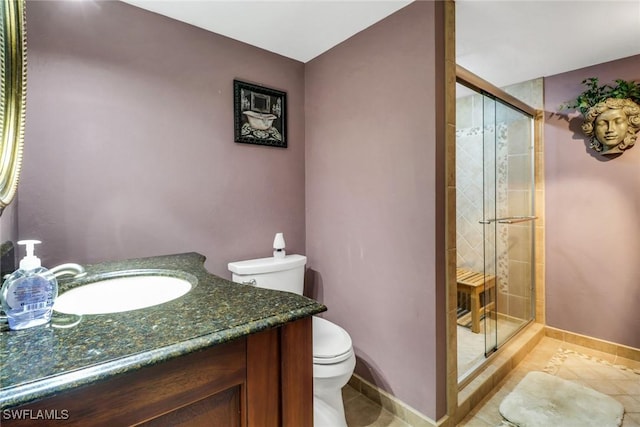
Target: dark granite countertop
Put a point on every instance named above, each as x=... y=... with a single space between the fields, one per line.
x=77 y=350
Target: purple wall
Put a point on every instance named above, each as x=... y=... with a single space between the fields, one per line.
x=371 y=200
x=592 y=219
x=129 y=140
x=130 y=152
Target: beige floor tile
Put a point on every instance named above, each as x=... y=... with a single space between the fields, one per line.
x=610 y=372
x=633 y=364
x=361 y=411
x=567 y=374
x=630 y=420
x=631 y=387
x=491 y=413
x=394 y=423
x=630 y=403
x=603 y=386
x=349 y=393
x=619 y=381
x=615 y=380
x=475 y=422
x=629 y=374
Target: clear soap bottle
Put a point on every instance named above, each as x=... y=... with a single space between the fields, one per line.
x=28 y=294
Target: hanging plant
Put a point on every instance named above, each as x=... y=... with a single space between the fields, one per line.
x=595 y=93
x=611 y=113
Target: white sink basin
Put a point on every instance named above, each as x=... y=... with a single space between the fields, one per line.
x=122 y=293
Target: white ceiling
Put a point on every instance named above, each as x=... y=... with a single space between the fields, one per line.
x=504 y=42
x=298 y=29
x=508 y=42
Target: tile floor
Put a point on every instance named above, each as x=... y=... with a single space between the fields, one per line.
x=601 y=371
x=362 y=411
x=617 y=377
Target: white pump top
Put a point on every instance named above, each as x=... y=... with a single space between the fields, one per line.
x=278 y=246
x=30 y=261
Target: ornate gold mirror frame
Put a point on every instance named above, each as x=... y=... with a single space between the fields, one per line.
x=13 y=92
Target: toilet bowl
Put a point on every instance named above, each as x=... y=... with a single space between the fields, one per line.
x=333 y=365
x=333 y=356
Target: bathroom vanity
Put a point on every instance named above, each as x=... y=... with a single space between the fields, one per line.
x=224 y=354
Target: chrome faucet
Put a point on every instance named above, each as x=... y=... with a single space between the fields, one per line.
x=75 y=270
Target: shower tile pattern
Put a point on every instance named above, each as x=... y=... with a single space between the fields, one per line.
x=506 y=162
x=473 y=163
x=469 y=198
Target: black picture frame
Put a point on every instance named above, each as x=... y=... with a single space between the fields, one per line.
x=259 y=114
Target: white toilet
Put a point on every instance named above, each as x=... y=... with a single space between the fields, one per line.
x=333 y=356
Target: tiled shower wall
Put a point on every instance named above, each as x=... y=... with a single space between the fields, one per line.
x=512 y=197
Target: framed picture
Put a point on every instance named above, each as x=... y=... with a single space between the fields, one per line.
x=259 y=115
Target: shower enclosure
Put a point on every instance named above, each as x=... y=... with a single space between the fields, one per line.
x=494 y=222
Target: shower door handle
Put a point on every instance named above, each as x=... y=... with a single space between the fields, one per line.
x=508 y=219
x=516 y=219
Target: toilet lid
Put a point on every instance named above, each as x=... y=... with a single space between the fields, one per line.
x=331 y=343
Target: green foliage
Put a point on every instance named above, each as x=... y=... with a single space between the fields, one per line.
x=596 y=93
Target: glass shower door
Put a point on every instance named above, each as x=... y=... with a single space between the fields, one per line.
x=490 y=210
x=508 y=221
x=494 y=223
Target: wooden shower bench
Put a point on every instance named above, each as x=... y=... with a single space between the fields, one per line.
x=471 y=283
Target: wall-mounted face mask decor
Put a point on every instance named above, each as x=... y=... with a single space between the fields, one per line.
x=611 y=115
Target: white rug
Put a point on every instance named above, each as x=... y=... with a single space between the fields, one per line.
x=544 y=400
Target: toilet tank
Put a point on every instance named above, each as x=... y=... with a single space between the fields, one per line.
x=284 y=274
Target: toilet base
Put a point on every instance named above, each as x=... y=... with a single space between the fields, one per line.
x=328 y=381
x=328 y=414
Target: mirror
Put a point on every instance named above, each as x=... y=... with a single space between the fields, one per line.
x=13 y=58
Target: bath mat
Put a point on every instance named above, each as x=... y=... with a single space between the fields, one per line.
x=543 y=400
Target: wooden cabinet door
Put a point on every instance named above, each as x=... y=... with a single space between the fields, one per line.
x=221 y=409
x=262 y=380
x=188 y=383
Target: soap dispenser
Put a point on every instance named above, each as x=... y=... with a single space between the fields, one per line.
x=28 y=294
